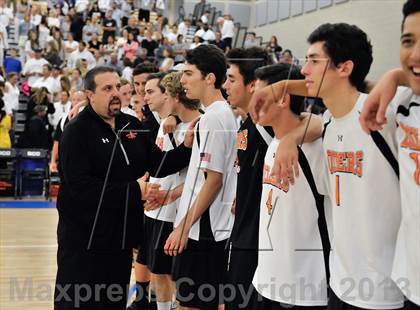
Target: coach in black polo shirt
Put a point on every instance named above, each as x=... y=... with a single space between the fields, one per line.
x=103 y=154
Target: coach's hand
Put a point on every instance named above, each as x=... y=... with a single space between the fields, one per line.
x=177 y=240
x=148 y=190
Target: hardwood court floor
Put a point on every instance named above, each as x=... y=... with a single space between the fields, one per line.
x=28 y=246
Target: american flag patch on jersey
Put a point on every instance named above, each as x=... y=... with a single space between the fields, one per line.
x=205 y=157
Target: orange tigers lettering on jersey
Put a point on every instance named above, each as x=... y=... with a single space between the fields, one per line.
x=415 y=156
x=346 y=162
x=411 y=140
x=159 y=142
x=242 y=140
x=269 y=179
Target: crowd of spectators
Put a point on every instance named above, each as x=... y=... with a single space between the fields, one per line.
x=57 y=42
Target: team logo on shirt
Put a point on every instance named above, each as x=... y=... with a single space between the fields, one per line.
x=269 y=179
x=159 y=142
x=347 y=162
x=131 y=135
x=412 y=142
x=242 y=140
x=344 y=162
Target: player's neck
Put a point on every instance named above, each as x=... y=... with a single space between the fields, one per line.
x=341 y=100
x=211 y=95
x=164 y=111
x=284 y=124
x=187 y=115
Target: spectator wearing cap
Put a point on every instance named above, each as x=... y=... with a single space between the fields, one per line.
x=33 y=67
x=81 y=53
x=12 y=62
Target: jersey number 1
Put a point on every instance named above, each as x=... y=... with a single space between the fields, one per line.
x=337 y=190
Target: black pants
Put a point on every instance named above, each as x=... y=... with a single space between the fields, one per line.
x=408 y=305
x=92 y=279
x=144 y=14
x=335 y=303
x=240 y=274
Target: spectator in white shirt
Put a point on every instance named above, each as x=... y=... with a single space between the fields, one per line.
x=183 y=27
x=46 y=80
x=62 y=108
x=208 y=34
x=70 y=45
x=227 y=29
x=53 y=20
x=33 y=67
x=6 y=14
x=81 y=53
x=205 y=17
x=11 y=93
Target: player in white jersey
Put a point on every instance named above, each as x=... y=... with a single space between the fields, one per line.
x=406 y=269
x=165 y=96
x=204 y=219
x=293 y=236
x=366 y=217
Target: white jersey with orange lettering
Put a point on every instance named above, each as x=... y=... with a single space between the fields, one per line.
x=406 y=270
x=364 y=187
x=293 y=235
x=167 y=213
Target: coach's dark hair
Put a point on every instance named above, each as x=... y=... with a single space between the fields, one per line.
x=89 y=82
x=209 y=59
x=248 y=60
x=159 y=76
x=144 y=68
x=410 y=7
x=343 y=42
x=278 y=72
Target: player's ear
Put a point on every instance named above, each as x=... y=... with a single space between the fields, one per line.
x=251 y=87
x=346 y=68
x=285 y=103
x=210 y=78
x=89 y=94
